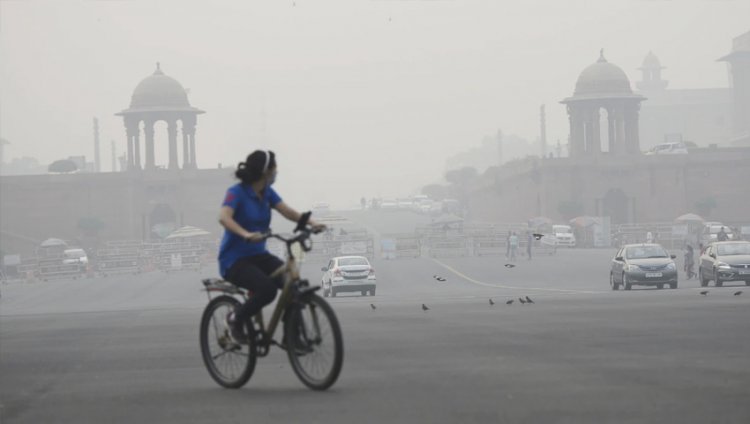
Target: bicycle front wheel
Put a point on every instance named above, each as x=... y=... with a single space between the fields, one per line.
x=229 y=364
x=314 y=343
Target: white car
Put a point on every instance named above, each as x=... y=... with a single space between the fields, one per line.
x=75 y=256
x=348 y=274
x=562 y=235
x=675 y=148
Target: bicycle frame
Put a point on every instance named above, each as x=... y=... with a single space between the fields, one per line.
x=290 y=272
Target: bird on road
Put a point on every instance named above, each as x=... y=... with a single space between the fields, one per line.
x=441 y=279
x=491 y=302
x=510 y=266
x=738 y=293
x=704 y=292
x=523 y=302
x=425 y=308
x=372 y=306
x=528 y=299
x=510 y=302
x=538 y=236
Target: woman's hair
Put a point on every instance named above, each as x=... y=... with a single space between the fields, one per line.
x=256 y=164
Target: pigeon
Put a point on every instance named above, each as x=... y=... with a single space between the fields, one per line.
x=528 y=299
x=704 y=292
x=372 y=306
x=538 y=236
x=491 y=302
x=441 y=279
x=510 y=302
x=523 y=302
x=510 y=266
x=738 y=293
x=425 y=308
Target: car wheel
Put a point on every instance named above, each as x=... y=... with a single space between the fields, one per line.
x=660 y=286
x=747 y=283
x=363 y=293
x=612 y=283
x=625 y=282
x=372 y=292
x=333 y=292
x=673 y=285
x=702 y=278
x=719 y=283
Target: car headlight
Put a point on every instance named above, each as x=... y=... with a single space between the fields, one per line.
x=722 y=265
x=632 y=268
x=671 y=266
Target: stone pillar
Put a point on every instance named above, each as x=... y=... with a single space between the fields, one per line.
x=185 y=148
x=148 y=130
x=172 y=132
x=595 y=143
x=137 y=146
x=620 y=131
x=129 y=130
x=611 y=130
x=193 y=163
x=577 y=134
x=632 y=128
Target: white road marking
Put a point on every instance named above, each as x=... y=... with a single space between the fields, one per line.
x=503 y=286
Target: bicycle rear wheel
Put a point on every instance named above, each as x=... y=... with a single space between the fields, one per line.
x=229 y=364
x=314 y=343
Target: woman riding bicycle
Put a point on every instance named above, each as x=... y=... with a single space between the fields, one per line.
x=246 y=216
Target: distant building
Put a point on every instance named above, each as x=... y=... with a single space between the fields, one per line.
x=739 y=59
x=702 y=115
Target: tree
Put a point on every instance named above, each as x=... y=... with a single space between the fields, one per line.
x=570 y=209
x=62 y=166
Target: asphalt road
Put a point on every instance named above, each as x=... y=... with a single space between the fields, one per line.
x=125 y=349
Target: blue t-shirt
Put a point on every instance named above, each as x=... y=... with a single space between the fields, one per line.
x=253 y=214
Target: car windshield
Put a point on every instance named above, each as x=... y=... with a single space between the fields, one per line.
x=733 y=249
x=561 y=229
x=352 y=261
x=644 y=252
x=716 y=228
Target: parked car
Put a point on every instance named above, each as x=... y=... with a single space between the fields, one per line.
x=725 y=261
x=75 y=256
x=646 y=264
x=348 y=274
x=676 y=148
x=561 y=235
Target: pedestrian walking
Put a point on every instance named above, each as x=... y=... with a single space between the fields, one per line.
x=529 y=241
x=513 y=246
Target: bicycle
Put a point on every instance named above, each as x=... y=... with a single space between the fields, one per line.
x=308 y=320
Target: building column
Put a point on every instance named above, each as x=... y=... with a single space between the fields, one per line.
x=632 y=128
x=595 y=143
x=129 y=130
x=172 y=132
x=611 y=130
x=148 y=130
x=620 y=132
x=193 y=163
x=137 y=146
x=185 y=148
x=577 y=134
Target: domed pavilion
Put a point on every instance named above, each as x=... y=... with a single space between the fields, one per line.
x=603 y=86
x=159 y=97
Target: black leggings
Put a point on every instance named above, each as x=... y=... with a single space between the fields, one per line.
x=252 y=273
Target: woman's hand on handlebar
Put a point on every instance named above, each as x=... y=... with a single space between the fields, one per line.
x=255 y=237
x=317 y=227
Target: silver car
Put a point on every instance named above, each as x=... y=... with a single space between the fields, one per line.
x=645 y=264
x=348 y=274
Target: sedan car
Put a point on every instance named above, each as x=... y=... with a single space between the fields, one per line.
x=348 y=274
x=646 y=264
x=725 y=261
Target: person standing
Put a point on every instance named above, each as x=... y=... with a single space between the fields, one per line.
x=649 y=237
x=507 y=245
x=722 y=235
x=513 y=246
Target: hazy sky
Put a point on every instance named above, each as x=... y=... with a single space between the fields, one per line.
x=361 y=97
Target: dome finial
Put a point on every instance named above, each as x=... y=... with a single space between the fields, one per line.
x=601 y=56
x=158 y=69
